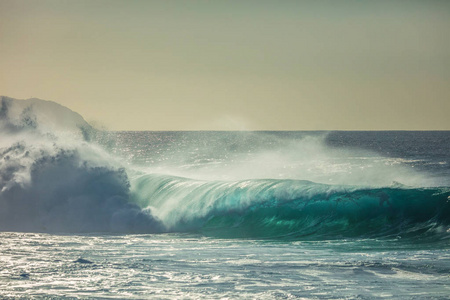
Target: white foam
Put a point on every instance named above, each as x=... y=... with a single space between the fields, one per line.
x=51 y=179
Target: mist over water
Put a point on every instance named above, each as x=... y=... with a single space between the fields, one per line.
x=268 y=155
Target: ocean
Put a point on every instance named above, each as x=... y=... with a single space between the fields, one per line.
x=88 y=214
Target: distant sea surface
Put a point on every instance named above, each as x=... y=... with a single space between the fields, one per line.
x=228 y=215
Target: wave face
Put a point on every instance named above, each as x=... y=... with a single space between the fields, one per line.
x=55 y=181
x=293 y=209
x=56 y=177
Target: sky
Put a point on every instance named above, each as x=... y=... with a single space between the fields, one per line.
x=233 y=65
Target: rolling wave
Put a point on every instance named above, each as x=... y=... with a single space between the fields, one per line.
x=294 y=209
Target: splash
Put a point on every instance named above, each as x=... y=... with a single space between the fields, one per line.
x=53 y=180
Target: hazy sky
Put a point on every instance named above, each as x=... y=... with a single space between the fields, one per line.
x=233 y=65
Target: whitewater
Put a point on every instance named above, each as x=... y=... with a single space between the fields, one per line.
x=86 y=213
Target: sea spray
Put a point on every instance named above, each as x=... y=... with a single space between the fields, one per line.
x=52 y=180
x=230 y=156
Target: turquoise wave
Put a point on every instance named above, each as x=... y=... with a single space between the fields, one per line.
x=292 y=209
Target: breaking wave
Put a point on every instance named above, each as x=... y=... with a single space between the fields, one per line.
x=294 y=209
x=54 y=179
